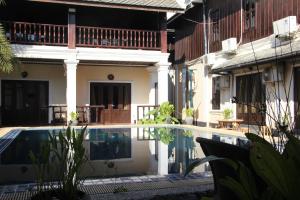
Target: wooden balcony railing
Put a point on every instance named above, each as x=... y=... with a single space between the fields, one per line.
x=35 y=33
x=87 y=114
x=90 y=114
x=50 y=34
x=143 y=110
x=117 y=38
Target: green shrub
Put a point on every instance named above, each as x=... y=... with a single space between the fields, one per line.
x=189 y=112
x=227 y=113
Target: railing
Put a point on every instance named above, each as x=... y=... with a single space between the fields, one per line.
x=117 y=38
x=143 y=110
x=87 y=114
x=50 y=34
x=90 y=114
x=59 y=114
x=35 y=33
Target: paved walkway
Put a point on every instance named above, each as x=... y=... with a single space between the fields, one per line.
x=105 y=188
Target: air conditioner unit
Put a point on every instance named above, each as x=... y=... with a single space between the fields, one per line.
x=285 y=27
x=225 y=82
x=209 y=59
x=229 y=45
x=273 y=74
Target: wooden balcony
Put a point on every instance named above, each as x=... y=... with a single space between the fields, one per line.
x=35 y=33
x=94 y=37
x=117 y=38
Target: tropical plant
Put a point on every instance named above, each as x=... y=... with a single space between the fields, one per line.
x=74 y=116
x=227 y=113
x=161 y=115
x=6 y=54
x=64 y=153
x=164 y=134
x=188 y=133
x=41 y=166
x=279 y=171
x=188 y=112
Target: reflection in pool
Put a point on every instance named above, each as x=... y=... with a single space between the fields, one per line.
x=134 y=151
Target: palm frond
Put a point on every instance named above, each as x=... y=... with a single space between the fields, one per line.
x=6 y=54
x=2 y=2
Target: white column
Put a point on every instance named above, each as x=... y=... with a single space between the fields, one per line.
x=70 y=69
x=163 y=82
x=162 y=158
x=153 y=80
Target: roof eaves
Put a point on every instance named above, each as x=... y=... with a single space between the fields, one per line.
x=113 y=5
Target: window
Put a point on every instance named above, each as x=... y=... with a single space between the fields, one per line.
x=215 y=17
x=249 y=8
x=216 y=97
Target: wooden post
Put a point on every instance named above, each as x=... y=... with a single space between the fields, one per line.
x=72 y=28
x=163 y=34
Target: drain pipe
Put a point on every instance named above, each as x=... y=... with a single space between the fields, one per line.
x=241 y=36
x=208 y=37
x=204 y=28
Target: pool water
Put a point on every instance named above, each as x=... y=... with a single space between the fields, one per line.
x=133 y=151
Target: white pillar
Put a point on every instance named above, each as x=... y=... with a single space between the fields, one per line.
x=70 y=69
x=162 y=158
x=153 y=80
x=163 y=82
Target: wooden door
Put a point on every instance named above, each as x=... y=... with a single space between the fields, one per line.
x=24 y=102
x=115 y=99
x=297 y=97
x=251 y=96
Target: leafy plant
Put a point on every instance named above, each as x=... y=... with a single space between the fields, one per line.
x=227 y=113
x=165 y=135
x=279 y=171
x=188 y=112
x=74 y=116
x=161 y=115
x=6 y=54
x=41 y=166
x=65 y=154
x=188 y=133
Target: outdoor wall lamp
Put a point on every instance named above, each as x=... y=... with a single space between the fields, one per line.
x=24 y=74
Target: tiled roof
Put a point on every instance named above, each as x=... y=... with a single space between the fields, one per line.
x=163 y=4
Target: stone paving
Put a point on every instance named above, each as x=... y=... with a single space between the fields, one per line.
x=164 y=181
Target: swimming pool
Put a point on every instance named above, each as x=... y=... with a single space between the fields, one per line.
x=133 y=151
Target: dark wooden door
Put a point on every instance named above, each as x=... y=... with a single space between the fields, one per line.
x=24 y=102
x=251 y=96
x=297 y=97
x=115 y=99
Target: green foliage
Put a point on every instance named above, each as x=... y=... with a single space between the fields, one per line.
x=227 y=113
x=188 y=133
x=74 y=116
x=6 y=54
x=41 y=166
x=161 y=115
x=200 y=161
x=65 y=154
x=189 y=112
x=280 y=171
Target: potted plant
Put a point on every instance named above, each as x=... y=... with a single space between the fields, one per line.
x=74 y=118
x=58 y=166
x=188 y=112
x=227 y=113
